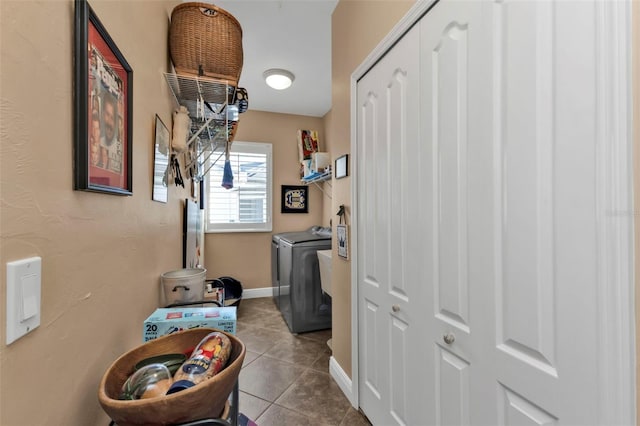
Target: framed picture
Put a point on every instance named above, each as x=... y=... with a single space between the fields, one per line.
x=343 y=240
x=161 y=162
x=294 y=199
x=342 y=166
x=103 y=108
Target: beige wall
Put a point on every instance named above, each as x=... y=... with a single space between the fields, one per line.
x=101 y=254
x=247 y=256
x=357 y=28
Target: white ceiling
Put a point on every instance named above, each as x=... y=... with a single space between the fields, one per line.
x=290 y=34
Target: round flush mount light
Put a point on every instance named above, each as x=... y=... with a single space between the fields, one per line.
x=278 y=79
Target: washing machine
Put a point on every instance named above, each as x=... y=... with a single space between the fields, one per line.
x=295 y=277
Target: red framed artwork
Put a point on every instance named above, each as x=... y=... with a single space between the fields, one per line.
x=103 y=108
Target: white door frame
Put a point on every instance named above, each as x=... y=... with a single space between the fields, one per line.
x=614 y=199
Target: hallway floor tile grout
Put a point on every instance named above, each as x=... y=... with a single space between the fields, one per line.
x=285 y=378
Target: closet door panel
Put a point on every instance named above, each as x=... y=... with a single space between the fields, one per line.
x=449 y=73
x=370 y=367
x=545 y=244
x=526 y=224
x=390 y=245
x=455 y=87
x=372 y=316
x=453 y=389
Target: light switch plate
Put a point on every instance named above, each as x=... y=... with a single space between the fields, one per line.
x=24 y=279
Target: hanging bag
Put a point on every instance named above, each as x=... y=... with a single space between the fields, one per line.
x=181 y=127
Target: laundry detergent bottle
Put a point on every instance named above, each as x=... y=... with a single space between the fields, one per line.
x=208 y=358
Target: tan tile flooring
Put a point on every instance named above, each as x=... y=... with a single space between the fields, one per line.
x=285 y=377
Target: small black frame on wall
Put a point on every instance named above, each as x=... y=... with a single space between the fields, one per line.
x=342 y=166
x=295 y=199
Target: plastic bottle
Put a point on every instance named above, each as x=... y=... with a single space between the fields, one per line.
x=207 y=359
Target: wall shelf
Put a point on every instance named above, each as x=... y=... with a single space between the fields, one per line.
x=318 y=178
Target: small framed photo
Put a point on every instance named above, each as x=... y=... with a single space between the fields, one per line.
x=103 y=108
x=295 y=199
x=343 y=240
x=342 y=166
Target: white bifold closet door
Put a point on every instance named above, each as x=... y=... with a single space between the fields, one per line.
x=477 y=219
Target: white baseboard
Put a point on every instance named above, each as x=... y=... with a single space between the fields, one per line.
x=254 y=293
x=343 y=381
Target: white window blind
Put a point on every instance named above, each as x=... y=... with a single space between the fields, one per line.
x=247 y=206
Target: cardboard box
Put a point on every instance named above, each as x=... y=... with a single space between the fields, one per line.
x=170 y=320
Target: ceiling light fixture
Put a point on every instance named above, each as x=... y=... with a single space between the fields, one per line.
x=278 y=79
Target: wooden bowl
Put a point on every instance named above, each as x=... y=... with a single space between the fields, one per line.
x=206 y=400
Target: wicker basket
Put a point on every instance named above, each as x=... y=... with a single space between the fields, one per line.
x=203 y=401
x=206 y=40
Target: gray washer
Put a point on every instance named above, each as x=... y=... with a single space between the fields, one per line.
x=296 y=279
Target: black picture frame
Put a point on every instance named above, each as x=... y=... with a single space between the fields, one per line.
x=295 y=199
x=103 y=108
x=341 y=166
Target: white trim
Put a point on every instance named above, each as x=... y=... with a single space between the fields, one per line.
x=614 y=201
x=343 y=381
x=353 y=394
x=614 y=197
x=255 y=293
x=412 y=16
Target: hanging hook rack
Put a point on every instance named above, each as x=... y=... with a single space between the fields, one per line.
x=342 y=213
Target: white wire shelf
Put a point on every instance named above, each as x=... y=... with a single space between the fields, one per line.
x=317 y=179
x=213 y=118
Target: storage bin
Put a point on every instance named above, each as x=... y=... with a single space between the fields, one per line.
x=204 y=401
x=183 y=285
x=206 y=40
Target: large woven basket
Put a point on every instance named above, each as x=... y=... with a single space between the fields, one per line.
x=206 y=40
x=206 y=400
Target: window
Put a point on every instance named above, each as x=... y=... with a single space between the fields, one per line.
x=247 y=206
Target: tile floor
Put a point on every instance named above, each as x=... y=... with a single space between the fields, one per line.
x=285 y=377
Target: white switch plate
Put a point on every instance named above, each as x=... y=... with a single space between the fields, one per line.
x=24 y=279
